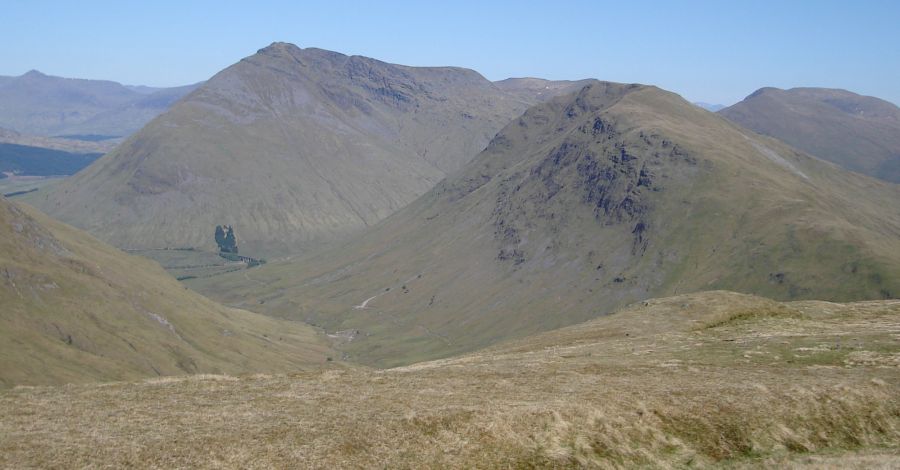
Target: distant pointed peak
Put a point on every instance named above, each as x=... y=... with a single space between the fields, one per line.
x=763 y=91
x=596 y=91
x=286 y=49
x=34 y=74
x=277 y=48
x=592 y=96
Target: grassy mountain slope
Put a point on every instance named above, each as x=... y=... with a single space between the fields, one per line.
x=696 y=380
x=77 y=310
x=588 y=202
x=288 y=146
x=860 y=133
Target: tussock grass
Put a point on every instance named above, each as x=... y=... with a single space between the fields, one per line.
x=666 y=433
x=754 y=314
x=586 y=396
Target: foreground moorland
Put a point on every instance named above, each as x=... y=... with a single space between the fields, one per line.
x=703 y=379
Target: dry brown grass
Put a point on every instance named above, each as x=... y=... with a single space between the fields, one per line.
x=666 y=395
x=75 y=310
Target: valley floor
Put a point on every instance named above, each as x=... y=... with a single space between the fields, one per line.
x=18 y=185
x=711 y=379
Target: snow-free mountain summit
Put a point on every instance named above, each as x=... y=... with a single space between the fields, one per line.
x=589 y=201
x=288 y=146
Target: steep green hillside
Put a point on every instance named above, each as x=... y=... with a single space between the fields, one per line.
x=584 y=204
x=77 y=310
x=860 y=133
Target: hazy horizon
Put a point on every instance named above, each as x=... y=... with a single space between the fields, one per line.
x=700 y=49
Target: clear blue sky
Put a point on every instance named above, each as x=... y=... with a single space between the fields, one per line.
x=715 y=51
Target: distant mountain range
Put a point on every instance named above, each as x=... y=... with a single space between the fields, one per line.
x=426 y=194
x=44 y=105
x=57 y=126
x=585 y=203
x=710 y=107
x=860 y=133
x=289 y=146
x=538 y=90
x=594 y=254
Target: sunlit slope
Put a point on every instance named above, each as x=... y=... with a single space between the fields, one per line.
x=860 y=133
x=700 y=380
x=584 y=204
x=73 y=309
x=290 y=146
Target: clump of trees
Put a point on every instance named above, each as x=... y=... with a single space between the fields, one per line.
x=225 y=239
